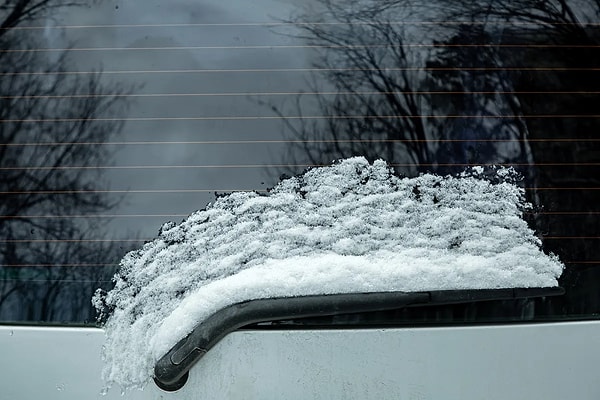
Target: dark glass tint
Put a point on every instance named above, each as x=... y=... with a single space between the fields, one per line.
x=116 y=117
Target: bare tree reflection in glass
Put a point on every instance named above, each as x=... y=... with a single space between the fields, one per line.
x=394 y=100
x=42 y=128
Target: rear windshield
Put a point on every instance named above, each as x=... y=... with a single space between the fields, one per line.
x=116 y=117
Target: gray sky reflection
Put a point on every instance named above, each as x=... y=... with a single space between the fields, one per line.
x=183 y=131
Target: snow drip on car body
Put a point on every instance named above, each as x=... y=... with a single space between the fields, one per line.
x=347 y=228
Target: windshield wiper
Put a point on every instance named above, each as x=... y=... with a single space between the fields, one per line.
x=172 y=370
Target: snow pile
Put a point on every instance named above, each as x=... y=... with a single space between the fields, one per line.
x=350 y=227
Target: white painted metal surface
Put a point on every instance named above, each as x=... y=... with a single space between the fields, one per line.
x=53 y=363
x=542 y=361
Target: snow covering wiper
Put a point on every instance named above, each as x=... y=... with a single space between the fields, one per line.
x=172 y=370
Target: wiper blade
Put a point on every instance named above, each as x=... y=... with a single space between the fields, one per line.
x=172 y=370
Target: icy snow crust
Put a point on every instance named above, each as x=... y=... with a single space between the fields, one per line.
x=350 y=227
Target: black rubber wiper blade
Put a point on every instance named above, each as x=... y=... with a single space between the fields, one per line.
x=172 y=370
x=442 y=297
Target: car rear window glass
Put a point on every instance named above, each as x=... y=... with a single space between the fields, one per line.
x=116 y=117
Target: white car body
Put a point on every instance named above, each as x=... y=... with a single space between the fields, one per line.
x=512 y=361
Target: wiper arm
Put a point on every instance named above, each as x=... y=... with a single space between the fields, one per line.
x=172 y=370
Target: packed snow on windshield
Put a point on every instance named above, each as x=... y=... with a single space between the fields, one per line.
x=351 y=227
